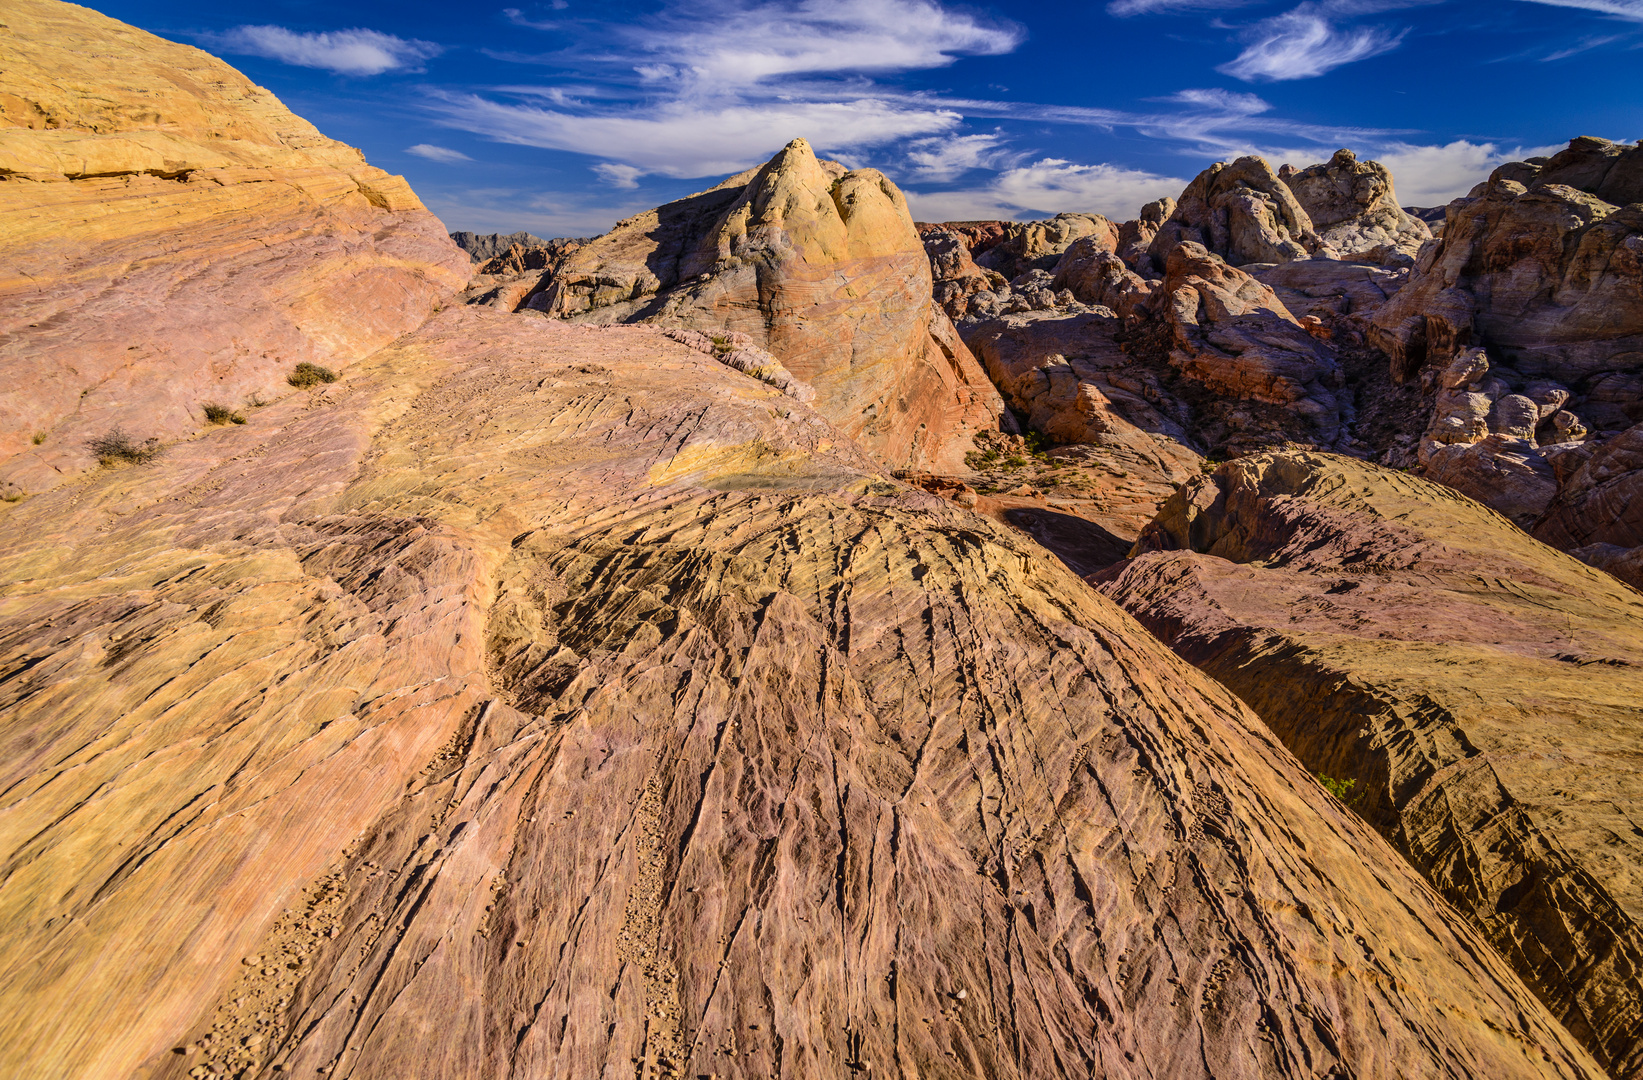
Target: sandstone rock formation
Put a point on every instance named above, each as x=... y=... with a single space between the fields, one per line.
x=145 y=189
x=1597 y=514
x=1355 y=211
x=554 y=699
x=1231 y=334
x=1241 y=212
x=956 y=278
x=1481 y=693
x=789 y=254
x=1038 y=245
x=483 y=247
x=1546 y=274
x=1135 y=237
x=509 y=279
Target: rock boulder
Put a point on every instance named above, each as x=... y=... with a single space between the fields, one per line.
x=1241 y=212
x=1355 y=210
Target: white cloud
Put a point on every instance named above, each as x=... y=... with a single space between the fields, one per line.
x=1305 y=43
x=684 y=139
x=1579 y=47
x=620 y=176
x=947 y=157
x=741 y=42
x=1123 y=8
x=1049 y=186
x=1433 y=175
x=346 y=52
x=1624 y=9
x=437 y=153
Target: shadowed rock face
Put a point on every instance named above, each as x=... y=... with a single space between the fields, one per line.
x=565 y=693
x=145 y=189
x=824 y=269
x=1482 y=692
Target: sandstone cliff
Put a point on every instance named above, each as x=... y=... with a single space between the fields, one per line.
x=1482 y=694
x=146 y=188
x=823 y=268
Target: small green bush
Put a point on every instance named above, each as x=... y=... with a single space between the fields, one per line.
x=1338 y=788
x=1015 y=461
x=306 y=375
x=39 y=437
x=115 y=445
x=220 y=414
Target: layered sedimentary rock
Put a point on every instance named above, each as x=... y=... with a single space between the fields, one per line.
x=1481 y=694
x=820 y=266
x=146 y=188
x=1242 y=212
x=1539 y=269
x=556 y=700
x=1355 y=211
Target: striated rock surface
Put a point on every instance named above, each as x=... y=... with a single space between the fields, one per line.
x=145 y=189
x=820 y=266
x=1242 y=212
x=1355 y=211
x=1481 y=693
x=553 y=699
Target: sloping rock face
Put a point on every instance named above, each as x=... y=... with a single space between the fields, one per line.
x=555 y=700
x=1539 y=269
x=1482 y=694
x=1354 y=209
x=146 y=188
x=1242 y=212
x=790 y=254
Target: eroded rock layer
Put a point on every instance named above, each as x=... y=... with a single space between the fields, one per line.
x=1479 y=691
x=555 y=700
x=146 y=189
x=820 y=266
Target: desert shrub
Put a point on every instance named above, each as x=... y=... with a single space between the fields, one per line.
x=115 y=446
x=1015 y=461
x=305 y=375
x=39 y=437
x=220 y=414
x=1338 y=788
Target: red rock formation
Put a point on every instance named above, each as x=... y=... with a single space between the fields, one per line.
x=1241 y=212
x=1479 y=691
x=1354 y=208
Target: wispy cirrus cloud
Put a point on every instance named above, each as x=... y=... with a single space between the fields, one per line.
x=948 y=157
x=726 y=43
x=1125 y=8
x=1049 y=186
x=346 y=52
x=1307 y=42
x=689 y=139
x=438 y=153
x=1622 y=9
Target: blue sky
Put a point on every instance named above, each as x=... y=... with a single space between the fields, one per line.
x=561 y=116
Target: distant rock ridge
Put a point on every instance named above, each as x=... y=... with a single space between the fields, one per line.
x=482 y=247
